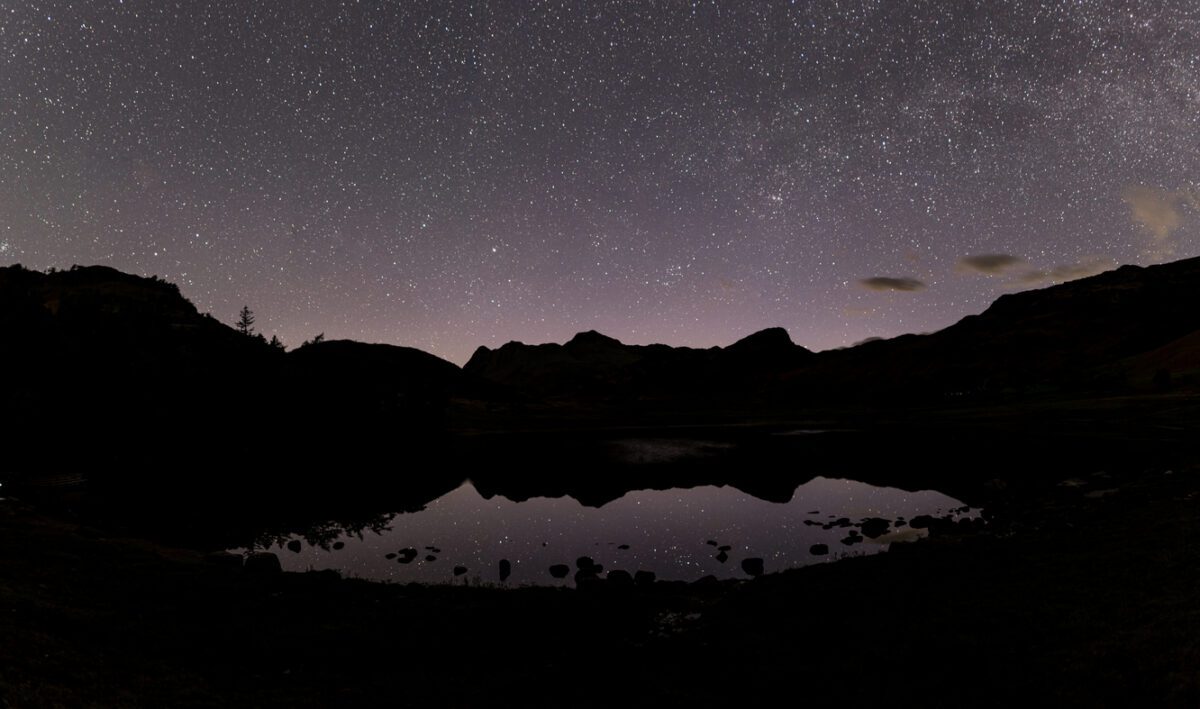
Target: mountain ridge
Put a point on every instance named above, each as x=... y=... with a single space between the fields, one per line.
x=90 y=324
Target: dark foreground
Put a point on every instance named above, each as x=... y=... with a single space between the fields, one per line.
x=1078 y=593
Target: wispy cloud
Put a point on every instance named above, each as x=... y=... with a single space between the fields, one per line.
x=1159 y=212
x=988 y=264
x=885 y=283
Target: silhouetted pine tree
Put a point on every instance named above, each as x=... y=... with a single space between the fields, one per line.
x=245 y=322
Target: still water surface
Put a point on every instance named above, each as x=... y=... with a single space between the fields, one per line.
x=678 y=534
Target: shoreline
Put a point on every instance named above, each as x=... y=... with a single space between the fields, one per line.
x=1084 y=599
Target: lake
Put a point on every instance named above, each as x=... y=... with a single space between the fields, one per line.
x=678 y=534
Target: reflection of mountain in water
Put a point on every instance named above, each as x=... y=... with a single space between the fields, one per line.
x=679 y=534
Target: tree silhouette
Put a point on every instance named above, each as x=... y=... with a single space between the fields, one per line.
x=245 y=322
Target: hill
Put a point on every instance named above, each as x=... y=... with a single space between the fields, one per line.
x=113 y=370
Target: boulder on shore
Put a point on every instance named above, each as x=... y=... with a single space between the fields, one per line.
x=264 y=563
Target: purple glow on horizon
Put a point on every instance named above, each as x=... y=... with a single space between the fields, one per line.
x=448 y=174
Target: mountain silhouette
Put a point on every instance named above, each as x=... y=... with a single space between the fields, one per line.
x=96 y=336
x=116 y=370
x=362 y=379
x=1080 y=336
x=596 y=366
x=129 y=372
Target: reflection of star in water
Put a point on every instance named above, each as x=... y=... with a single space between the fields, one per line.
x=670 y=529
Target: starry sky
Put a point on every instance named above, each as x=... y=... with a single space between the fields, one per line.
x=450 y=174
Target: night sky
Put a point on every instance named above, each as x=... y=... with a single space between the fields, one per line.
x=451 y=174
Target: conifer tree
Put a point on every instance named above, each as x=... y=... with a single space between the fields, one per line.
x=245 y=322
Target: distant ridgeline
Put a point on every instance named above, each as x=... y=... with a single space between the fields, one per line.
x=1126 y=330
x=107 y=368
x=595 y=367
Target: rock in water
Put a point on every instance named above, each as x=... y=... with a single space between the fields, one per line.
x=753 y=566
x=921 y=522
x=560 y=571
x=295 y=546
x=619 y=578
x=263 y=562
x=875 y=527
x=818 y=549
x=505 y=570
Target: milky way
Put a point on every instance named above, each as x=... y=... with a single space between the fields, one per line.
x=452 y=174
